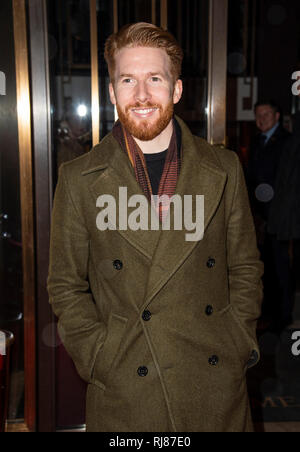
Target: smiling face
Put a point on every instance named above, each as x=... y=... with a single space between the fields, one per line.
x=144 y=91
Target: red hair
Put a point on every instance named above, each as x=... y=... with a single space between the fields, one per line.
x=143 y=34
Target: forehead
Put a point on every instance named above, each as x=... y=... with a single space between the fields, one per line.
x=131 y=60
x=264 y=109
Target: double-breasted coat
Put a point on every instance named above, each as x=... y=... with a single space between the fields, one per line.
x=162 y=329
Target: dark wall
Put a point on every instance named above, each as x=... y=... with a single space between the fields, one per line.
x=277 y=49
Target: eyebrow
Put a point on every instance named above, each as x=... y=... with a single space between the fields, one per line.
x=125 y=75
x=152 y=74
x=156 y=73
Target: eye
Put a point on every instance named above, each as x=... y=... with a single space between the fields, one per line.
x=155 y=79
x=127 y=80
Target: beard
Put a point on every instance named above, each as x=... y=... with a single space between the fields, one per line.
x=145 y=130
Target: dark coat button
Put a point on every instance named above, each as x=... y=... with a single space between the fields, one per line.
x=118 y=265
x=142 y=371
x=209 y=310
x=211 y=262
x=213 y=360
x=146 y=316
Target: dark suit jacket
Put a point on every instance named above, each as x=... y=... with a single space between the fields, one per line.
x=263 y=166
x=284 y=217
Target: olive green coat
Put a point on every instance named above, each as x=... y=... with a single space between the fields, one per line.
x=203 y=297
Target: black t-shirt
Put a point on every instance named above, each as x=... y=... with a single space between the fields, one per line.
x=156 y=162
x=155 y=166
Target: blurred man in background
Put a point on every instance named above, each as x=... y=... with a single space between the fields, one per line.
x=266 y=152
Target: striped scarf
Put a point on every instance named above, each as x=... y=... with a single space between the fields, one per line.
x=170 y=173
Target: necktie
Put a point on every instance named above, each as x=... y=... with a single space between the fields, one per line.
x=262 y=141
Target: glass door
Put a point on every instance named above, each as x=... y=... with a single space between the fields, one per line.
x=17 y=267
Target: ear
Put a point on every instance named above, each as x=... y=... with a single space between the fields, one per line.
x=178 y=88
x=277 y=116
x=112 y=94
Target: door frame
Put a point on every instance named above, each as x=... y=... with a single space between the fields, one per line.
x=43 y=195
x=217 y=72
x=27 y=209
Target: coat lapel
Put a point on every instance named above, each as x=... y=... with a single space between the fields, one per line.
x=115 y=172
x=199 y=176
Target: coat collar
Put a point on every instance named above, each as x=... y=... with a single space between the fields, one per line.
x=201 y=174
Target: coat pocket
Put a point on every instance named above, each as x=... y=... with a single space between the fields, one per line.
x=239 y=339
x=108 y=352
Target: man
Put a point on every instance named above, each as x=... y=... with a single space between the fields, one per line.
x=265 y=154
x=162 y=328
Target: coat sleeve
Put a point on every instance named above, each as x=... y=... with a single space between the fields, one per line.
x=79 y=326
x=244 y=265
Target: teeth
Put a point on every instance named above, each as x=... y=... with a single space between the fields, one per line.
x=144 y=112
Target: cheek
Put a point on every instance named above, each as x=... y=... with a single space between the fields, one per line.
x=164 y=96
x=123 y=97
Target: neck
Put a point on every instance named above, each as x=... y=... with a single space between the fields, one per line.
x=158 y=144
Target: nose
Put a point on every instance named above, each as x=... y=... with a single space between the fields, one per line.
x=142 y=93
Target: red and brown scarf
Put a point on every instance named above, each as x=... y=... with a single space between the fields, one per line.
x=170 y=173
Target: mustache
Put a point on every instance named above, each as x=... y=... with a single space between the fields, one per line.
x=142 y=105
